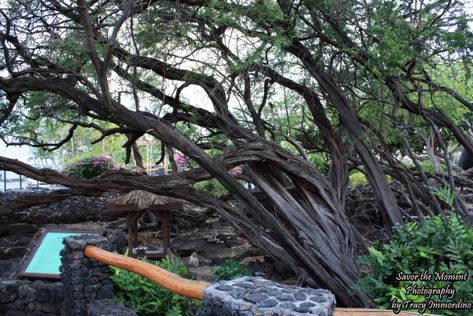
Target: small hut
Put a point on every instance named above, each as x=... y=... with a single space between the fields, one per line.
x=135 y=204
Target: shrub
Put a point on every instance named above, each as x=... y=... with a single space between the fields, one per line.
x=211 y=187
x=231 y=269
x=236 y=171
x=180 y=159
x=427 y=166
x=319 y=162
x=91 y=167
x=437 y=246
x=357 y=177
x=147 y=297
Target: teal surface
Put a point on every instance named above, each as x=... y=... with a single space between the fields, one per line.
x=47 y=260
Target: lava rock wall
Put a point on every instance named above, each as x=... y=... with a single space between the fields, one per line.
x=256 y=296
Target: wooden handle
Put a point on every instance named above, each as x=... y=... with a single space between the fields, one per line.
x=168 y=280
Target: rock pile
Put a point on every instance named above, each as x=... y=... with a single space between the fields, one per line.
x=256 y=296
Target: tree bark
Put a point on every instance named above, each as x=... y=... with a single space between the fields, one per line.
x=383 y=193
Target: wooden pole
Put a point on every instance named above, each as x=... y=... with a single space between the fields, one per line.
x=168 y=280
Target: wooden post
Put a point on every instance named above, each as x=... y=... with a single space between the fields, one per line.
x=165 y=162
x=168 y=280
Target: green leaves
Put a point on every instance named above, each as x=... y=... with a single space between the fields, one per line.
x=211 y=187
x=377 y=254
x=446 y=194
x=92 y=167
x=147 y=297
x=436 y=246
x=232 y=269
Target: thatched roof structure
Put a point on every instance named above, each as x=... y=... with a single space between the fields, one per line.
x=139 y=200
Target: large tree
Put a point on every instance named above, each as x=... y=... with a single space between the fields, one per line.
x=297 y=92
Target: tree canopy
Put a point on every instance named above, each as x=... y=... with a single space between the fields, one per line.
x=298 y=93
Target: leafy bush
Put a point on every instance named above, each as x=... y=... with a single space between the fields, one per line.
x=356 y=178
x=437 y=246
x=231 y=269
x=211 y=187
x=427 y=166
x=91 y=167
x=180 y=159
x=446 y=195
x=319 y=162
x=147 y=297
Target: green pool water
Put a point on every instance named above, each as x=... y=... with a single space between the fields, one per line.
x=47 y=260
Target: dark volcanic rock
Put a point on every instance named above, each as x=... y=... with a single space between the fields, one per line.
x=74 y=209
x=18 y=228
x=108 y=307
x=184 y=247
x=254 y=302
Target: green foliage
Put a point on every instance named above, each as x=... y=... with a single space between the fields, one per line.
x=91 y=167
x=211 y=187
x=437 y=246
x=356 y=178
x=44 y=118
x=147 y=297
x=446 y=194
x=319 y=162
x=231 y=269
x=427 y=166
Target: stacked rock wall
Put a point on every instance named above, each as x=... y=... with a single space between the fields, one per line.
x=18 y=229
x=85 y=288
x=24 y=297
x=256 y=296
x=84 y=280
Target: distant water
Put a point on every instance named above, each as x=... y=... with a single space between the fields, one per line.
x=24 y=185
x=11 y=181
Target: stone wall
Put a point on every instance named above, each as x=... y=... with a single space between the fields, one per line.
x=19 y=228
x=44 y=298
x=256 y=296
x=84 y=280
x=108 y=307
x=24 y=297
x=74 y=209
x=84 y=289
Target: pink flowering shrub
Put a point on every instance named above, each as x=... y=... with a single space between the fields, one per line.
x=236 y=171
x=91 y=167
x=180 y=159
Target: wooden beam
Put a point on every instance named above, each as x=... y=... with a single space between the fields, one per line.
x=168 y=280
x=370 y=312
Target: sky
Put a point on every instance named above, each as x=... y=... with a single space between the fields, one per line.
x=15 y=152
